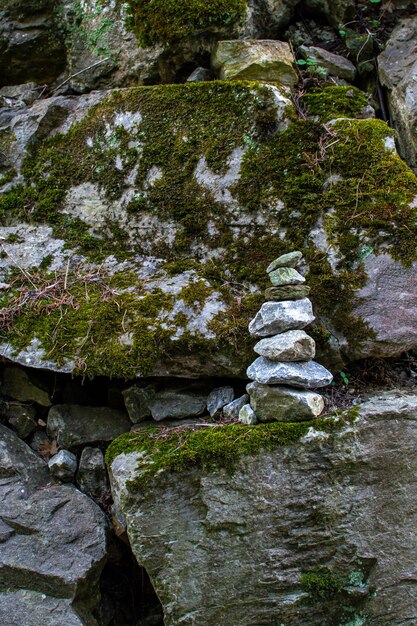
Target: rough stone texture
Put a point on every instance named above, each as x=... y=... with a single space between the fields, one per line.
x=53 y=540
x=277 y=317
x=294 y=345
x=254 y=60
x=137 y=401
x=92 y=474
x=247 y=415
x=31 y=45
x=36 y=609
x=291 y=259
x=17 y=384
x=177 y=404
x=283 y=404
x=397 y=67
x=345 y=501
x=20 y=416
x=218 y=398
x=231 y=411
x=288 y=292
x=390 y=288
x=63 y=466
x=75 y=425
x=148 y=234
x=309 y=375
x=334 y=64
x=284 y=276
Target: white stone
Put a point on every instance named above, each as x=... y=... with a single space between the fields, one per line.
x=293 y=345
x=247 y=415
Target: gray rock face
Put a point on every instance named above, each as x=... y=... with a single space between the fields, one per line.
x=92 y=474
x=390 y=288
x=17 y=384
x=309 y=375
x=231 y=411
x=247 y=415
x=63 y=466
x=53 y=541
x=218 y=398
x=75 y=425
x=251 y=59
x=294 y=345
x=283 y=404
x=334 y=64
x=346 y=501
x=36 y=609
x=137 y=401
x=397 y=66
x=277 y=317
x=283 y=276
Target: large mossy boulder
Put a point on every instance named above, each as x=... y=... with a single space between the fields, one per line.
x=136 y=227
x=309 y=523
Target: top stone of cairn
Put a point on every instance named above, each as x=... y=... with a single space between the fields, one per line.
x=291 y=259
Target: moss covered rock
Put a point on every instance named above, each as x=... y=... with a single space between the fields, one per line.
x=275 y=523
x=137 y=226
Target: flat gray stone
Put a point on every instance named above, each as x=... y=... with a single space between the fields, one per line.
x=308 y=375
x=63 y=466
x=286 y=276
x=283 y=404
x=247 y=415
x=294 y=345
x=291 y=259
x=287 y=292
x=218 y=398
x=334 y=64
x=231 y=411
x=277 y=317
x=75 y=425
x=177 y=404
x=20 y=416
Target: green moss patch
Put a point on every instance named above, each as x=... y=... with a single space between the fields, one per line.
x=169 y=21
x=334 y=102
x=213 y=447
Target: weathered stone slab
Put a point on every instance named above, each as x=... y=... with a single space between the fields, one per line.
x=286 y=276
x=334 y=64
x=287 y=292
x=307 y=504
x=277 y=317
x=251 y=59
x=36 y=609
x=283 y=404
x=309 y=375
x=75 y=425
x=293 y=345
x=291 y=259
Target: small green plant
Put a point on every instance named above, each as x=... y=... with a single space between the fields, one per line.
x=313 y=66
x=322 y=583
x=345 y=376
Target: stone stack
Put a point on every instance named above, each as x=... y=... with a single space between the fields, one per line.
x=284 y=373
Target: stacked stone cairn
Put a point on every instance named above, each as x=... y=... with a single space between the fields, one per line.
x=284 y=373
